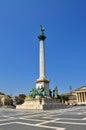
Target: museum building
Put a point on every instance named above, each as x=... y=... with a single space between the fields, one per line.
x=78 y=96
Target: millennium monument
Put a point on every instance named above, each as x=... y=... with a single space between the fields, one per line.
x=39 y=97
x=42 y=81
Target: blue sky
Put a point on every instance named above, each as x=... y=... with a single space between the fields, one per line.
x=65 y=46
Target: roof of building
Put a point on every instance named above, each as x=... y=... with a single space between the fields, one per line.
x=81 y=88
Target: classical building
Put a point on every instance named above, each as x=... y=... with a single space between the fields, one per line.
x=81 y=95
x=78 y=96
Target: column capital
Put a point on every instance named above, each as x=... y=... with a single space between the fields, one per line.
x=42 y=36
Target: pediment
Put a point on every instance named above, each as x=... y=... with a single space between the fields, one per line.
x=81 y=88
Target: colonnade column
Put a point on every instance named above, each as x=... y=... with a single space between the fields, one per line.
x=81 y=97
x=84 y=97
x=78 y=97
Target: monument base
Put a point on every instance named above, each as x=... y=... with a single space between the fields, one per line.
x=41 y=104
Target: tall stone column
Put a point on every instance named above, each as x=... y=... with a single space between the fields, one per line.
x=84 y=97
x=42 y=58
x=42 y=81
x=79 y=98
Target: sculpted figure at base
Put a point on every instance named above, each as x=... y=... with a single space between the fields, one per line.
x=38 y=92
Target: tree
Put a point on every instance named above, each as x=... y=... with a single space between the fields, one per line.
x=53 y=93
x=64 y=98
x=50 y=93
x=2 y=93
x=8 y=101
x=21 y=98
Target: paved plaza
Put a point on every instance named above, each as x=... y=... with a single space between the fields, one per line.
x=63 y=119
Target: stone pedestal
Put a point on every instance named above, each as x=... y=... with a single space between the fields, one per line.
x=43 y=83
x=41 y=104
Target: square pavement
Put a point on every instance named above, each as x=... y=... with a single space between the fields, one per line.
x=73 y=118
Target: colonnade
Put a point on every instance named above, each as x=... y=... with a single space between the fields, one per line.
x=81 y=97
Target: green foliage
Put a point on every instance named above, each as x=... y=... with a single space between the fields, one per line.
x=8 y=101
x=50 y=93
x=64 y=98
x=9 y=96
x=59 y=97
x=21 y=99
x=2 y=93
x=22 y=96
x=11 y=102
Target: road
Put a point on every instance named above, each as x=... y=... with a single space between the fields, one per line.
x=63 y=119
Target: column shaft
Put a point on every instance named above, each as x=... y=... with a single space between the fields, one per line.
x=42 y=59
x=84 y=96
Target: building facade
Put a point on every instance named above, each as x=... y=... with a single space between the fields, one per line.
x=81 y=95
x=78 y=96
